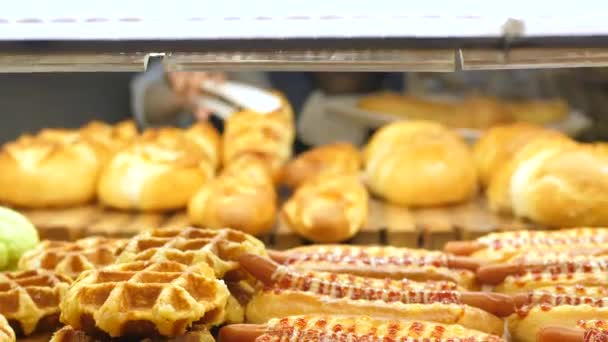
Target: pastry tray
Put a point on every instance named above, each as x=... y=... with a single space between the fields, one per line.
x=346 y=106
x=387 y=224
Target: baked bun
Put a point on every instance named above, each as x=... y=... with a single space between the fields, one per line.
x=497 y=145
x=554 y=181
x=566 y=189
x=160 y=171
x=243 y=197
x=333 y=158
x=419 y=163
x=329 y=208
x=523 y=165
x=269 y=136
x=107 y=139
x=58 y=170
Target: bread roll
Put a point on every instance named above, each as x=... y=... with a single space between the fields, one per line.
x=243 y=197
x=329 y=208
x=419 y=163
x=269 y=136
x=107 y=139
x=496 y=147
x=208 y=139
x=566 y=189
x=528 y=159
x=160 y=171
x=60 y=169
x=332 y=158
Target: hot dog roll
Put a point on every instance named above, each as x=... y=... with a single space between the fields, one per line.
x=329 y=208
x=329 y=293
x=560 y=270
x=350 y=328
x=382 y=262
x=500 y=247
x=562 y=306
x=266 y=135
x=243 y=197
x=337 y=158
x=586 y=331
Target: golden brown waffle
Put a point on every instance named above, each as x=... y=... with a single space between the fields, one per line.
x=6 y=332
x=218 y=248
x=69 y=334
x=71 y=258
x=145 y=299
x=30 y=300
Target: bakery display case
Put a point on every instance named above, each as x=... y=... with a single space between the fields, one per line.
x=437 y=214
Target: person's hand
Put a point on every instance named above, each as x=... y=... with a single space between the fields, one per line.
x=187 y=86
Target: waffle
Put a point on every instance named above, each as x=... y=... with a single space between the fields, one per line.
x=71 y=258
x=6 y=332
x=219 y=248
x=30 y=299
x=142 y=299
x=69 y=334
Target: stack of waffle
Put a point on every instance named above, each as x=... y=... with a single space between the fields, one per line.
x=161 y=285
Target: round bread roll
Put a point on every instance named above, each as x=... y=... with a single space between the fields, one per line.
x=108 y=139
x=419 y=163
x=243 y=197
x=57 y=170
x=333 y=158
x=160 y=171
x=269 y=136
x=567 y=189
x=521 y=167
x=496 y=147
x=329 y=208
